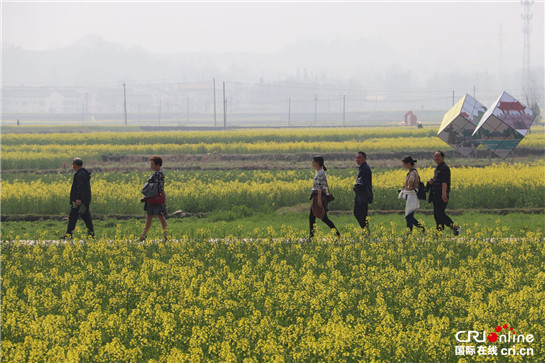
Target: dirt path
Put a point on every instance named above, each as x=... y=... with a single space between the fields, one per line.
x=180 y=214
x=336 y=160
x=254 y=240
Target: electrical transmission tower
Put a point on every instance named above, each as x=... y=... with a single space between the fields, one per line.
x=500 y=58
x=526 y=29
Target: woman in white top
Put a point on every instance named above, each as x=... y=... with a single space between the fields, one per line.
x=408 y=193
x=318 y=195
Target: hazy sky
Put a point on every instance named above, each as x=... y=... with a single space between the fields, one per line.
x=262 y=27
x=464 y=31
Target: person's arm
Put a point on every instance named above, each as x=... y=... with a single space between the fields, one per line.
x=429 y=184
x=320 y=186
x=79 y=188
x=445 y=182
x=367 y=175
x=161 y=180
x=410 y=181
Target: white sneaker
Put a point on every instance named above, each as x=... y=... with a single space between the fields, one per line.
x=458 y=230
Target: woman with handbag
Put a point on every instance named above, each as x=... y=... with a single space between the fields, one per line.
x=154 y=197
x=408 y=193
x=319 y=196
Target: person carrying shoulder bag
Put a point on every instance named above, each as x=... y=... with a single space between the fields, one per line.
x=319 y=196
x=409 y=193
x=154 y=198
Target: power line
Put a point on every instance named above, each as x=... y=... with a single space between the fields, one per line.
x=526 y=30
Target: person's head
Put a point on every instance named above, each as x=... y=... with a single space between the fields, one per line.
x=408 y=162
x=318 y=162
x=438 y=157
x=77 y=163
x=361 y=158
x=156 y=162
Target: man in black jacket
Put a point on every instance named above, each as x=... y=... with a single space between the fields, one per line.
x=363 y=189
x=439 y=195
x=80 y=198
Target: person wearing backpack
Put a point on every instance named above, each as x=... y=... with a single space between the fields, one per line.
x=410 y=193
x=154 y=198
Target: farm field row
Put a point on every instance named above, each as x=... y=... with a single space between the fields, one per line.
x=213 y=137
x=56 y=155
x=496 y=186
x=43 y=151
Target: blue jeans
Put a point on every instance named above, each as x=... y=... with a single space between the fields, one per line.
x=411 y=221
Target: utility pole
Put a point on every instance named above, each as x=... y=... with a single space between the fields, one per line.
x=125 y=101
x=344 y=109
x=224 y=111
x=160 y=111
x=86 y=105
x=214 y=82
x=289 y=112
x=453 y=97
x=473 y=91
x=500 y=57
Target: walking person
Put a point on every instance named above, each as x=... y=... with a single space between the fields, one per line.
x=363 y=188
x=439 y=186
x=318 y=195
x=154 y=198
x=80 y=199
x=408 y=193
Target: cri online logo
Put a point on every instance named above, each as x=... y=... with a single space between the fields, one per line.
x=467 y=336
x=493 y=337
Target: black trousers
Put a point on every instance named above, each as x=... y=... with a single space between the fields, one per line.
x=441 y=218
x=325 y=219
x=73 y=218
x=361 y=209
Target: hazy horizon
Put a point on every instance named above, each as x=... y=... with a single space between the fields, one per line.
x=463 y=34
x=408 y=54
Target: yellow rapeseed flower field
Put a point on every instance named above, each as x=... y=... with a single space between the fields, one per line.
x=273 y=299
x=54 y=150
x=496 y=186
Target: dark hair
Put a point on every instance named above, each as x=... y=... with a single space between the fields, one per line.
x=77 y=161
x=156 y=160
x=440 y=152
x=362 y=154
x=409 y=160
x=320 y=160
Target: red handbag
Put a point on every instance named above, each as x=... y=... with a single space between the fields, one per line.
x=158 y=199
